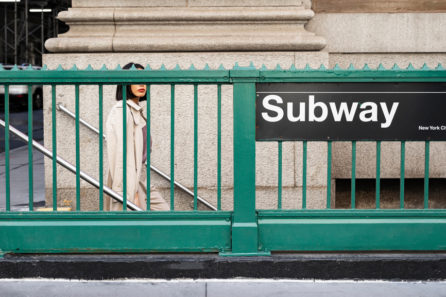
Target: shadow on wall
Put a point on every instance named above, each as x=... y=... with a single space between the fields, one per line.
x=390 y=193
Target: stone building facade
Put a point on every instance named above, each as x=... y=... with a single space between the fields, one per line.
x=225 y=32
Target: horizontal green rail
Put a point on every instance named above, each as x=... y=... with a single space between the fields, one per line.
x=352 y=230
x=206 y=75
x=112 y=77
x=115 y=232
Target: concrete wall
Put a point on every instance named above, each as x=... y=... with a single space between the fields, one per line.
x=378 y=6
x=374 y=33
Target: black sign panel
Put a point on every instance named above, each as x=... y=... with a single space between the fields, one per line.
x=351 y=111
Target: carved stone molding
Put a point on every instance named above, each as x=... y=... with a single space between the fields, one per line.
x=186 y=26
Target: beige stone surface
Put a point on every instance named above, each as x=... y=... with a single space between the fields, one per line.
x=390 y=160
x=127 y=3
x=183 y=3
x=99 y=44
x=381 y=32
x=266 y=165
x=87 y=14
x=197 y=28
x=66 y=197
x=267 y=198
x=378 y=6
x=268 y=42
x=214 y=14
x=245 y=2
x=316 y=164
x=388 y=59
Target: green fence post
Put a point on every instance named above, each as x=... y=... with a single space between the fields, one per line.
x=244 y=225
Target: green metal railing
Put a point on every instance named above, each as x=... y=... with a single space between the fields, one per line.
x=243 y=231
x=62 y=108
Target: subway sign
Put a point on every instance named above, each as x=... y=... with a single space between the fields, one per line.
x=351 y=111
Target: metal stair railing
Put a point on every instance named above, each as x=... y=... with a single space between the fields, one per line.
x=64 y=163
x=62 y=108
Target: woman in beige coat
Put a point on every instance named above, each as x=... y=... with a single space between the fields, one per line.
x=136 y=149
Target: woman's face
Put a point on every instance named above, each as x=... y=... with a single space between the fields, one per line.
x=138 y=90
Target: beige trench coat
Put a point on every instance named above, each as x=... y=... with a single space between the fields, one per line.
x=136 y=121
x=114 y=131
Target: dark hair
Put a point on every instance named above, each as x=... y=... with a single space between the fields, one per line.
x=128 y=88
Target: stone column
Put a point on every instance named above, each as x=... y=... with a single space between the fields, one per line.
x=185 y=26
x=182 y=32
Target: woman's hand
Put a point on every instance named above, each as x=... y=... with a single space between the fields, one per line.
x=137 y=200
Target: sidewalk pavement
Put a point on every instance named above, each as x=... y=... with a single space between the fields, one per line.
x=19 y=119
x=219 y=288
x=19 y=184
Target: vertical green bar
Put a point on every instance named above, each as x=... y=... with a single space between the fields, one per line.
x=329 y=157
x=426 y=174
x=124 y=147
x=30 y=149
x=54 y=146
x=378 y=174
x=195 y=145
x=279 y=175
x=219 y=147
x=78 y=160
x=148 y=146
x=402 y=167
x=304 y=175
x=353 y=185
x=172 y=147
x=101 y=150
x=244 y=227
x=7 y=169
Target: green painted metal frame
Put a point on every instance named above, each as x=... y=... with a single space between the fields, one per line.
x=30 y=151
x=7 y=152
x=54 y=147
x=101 y=148
x=245 y=231
x=149 y=126
x=352 y=230
x=244 y=224
x=95 y=232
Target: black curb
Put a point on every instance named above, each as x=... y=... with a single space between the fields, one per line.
x=173 y=266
